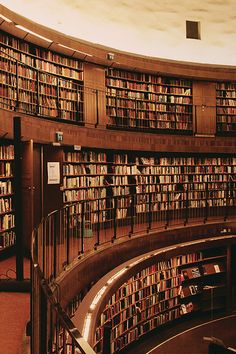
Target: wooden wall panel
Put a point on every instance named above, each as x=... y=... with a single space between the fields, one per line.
x=94 y=82
x=204 y=101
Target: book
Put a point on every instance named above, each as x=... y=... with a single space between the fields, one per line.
x=195 y=272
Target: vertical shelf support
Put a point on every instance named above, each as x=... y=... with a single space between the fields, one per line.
x=18 y=199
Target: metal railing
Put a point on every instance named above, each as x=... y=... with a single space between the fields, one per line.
x=78 y=228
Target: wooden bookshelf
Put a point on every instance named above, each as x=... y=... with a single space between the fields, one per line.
x=145 y=101
x=146 y=300
x=7 y=232
x=158 y=183
x=203 y=283
x=163 y=292
x=83 y=179
x=226 y=107
x=37 y=81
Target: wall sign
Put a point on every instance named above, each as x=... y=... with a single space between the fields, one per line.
x=53 y=169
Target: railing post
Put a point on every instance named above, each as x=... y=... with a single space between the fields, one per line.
x=149 y=211
x=43 y=323
x=186 y=205
x=55 y=217
x=58 y=104
x=114 y=219
x=98 y=226
x=82 y=226
x=167 y=210
x=67 y=214
x=133 y=202
x=227 y=194
x=206 y=200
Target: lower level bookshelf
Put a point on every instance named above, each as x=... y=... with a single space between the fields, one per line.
x=173 y=286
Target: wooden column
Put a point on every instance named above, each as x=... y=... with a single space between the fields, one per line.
x=27 y=194
x=17 y=187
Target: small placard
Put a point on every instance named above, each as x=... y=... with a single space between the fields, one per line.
x=53 y=172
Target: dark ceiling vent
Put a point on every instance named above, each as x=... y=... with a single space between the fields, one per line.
x=193 y=29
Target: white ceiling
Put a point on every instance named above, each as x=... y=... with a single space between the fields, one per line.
x=155 y=28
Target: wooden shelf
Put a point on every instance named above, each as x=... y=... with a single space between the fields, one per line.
x=7 y=234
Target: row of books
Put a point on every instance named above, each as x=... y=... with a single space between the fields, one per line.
x=6 y=152
x=7 y=221
x=5 y=168
x=85 y=156
x=148 y=78
x=82 y=169
x=39 y=64
x=121 y=340
x=226 y=119
x=226 y=110
x=5 y=205
x=226 y=102
x=83 y=194
x=177 y=89
x=202 y=270
x=83 y=181
x=26 y=51
x=7 y=239
x=6 y=187
x=119 y=96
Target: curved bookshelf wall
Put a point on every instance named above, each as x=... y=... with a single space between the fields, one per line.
x=160 y=288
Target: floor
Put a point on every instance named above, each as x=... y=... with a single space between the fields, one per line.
x=14 y=310
x=188 y=337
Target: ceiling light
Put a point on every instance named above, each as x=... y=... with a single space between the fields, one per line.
x=33 y=33
x=5 y=18
x=75 y=50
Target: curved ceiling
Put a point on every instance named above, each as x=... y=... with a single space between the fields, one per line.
x=155 y=28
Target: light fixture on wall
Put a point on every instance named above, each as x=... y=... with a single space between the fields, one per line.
x=110 y=56
x=74 y=50
x=33 y=33
x=5 y=18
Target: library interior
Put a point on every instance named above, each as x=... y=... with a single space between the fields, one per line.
x=118 y=177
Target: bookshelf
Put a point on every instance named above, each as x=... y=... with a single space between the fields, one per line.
x=83 y=179
x=203 y=283
x=159 y=183
x=158 y=177
x=37 y=81
x=226 y=107
x=144 y=101
x=7 y=233
x=165 y=291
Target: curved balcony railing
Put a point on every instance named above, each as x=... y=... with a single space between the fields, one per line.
x=81 y=227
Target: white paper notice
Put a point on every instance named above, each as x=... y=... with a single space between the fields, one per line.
x=53 y=172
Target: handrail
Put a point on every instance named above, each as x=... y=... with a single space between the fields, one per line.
x=66 y=234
